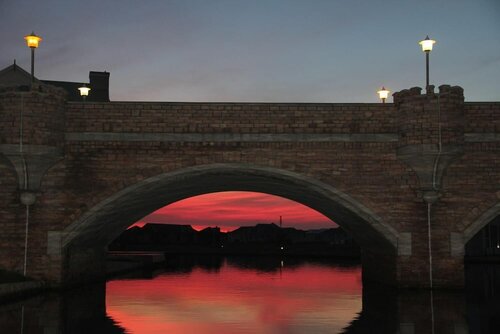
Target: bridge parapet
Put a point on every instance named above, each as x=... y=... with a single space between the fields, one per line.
x=231 y=118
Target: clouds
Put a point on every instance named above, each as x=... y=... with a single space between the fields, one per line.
x=268 y=51
x=236 y=208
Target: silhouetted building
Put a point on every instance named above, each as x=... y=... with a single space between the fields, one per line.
x=14 y=75
x=258 y=239
x=154 y=236
x=334 y=236
x=259 y=233
x=209 y=236
x=271 y=233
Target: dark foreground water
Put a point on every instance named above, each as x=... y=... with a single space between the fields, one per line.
x=258 y=295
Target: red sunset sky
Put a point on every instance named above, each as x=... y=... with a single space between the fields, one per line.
x=232 y=209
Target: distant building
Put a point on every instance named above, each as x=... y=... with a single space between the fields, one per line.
x=182 y=237
x=269 y=233
x=170 y=233
x=259 y=233
x=153 y=236
x=209 y=236
x=333 y=236
x=14 y=75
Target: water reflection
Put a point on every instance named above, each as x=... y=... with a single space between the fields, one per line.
x=234 y=297
x=483 y=298
x=303 y=298
x=77 y=311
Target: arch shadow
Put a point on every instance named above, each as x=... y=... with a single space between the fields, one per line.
x=483 y=220
x=101 y=224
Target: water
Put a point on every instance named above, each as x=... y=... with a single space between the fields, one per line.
x=258 y=295
x=233 y=298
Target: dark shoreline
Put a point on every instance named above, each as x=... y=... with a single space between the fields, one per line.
x=250 y=249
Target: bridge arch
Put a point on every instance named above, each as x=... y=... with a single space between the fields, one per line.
x=484 y=219
x=101 y=224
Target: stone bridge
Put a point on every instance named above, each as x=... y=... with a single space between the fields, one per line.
x=412 y=181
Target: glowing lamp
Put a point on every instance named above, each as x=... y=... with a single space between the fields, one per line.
x=427 y=44
x=84 y=91
x=32 y=40
x=383 y=94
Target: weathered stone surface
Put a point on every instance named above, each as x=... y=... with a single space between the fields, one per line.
x=121 y=160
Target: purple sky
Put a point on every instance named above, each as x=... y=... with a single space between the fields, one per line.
x=261 y=51
x=272 y=50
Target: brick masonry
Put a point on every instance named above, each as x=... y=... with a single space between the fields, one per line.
x=118 y=161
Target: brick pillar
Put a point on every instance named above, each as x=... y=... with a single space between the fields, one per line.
x=31 y=141
x=422 y=312
x=431 y=137
x=83 y=265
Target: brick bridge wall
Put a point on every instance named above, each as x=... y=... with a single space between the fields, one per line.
x=375 y=169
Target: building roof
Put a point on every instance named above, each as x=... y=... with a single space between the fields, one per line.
x=14 y=75
x=71 y=88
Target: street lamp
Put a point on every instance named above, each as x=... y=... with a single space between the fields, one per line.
x=426 y=45
x=383 y=94
x=84 y=91
x=32 y=42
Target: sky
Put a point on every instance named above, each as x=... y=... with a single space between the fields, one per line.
x=260 y=51
x=232 y=209
x=256 y=51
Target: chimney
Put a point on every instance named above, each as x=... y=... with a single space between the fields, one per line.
x=99 y=83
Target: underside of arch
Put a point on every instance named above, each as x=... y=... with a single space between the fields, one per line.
x=105 y=221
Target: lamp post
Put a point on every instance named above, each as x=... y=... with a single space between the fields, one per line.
x=383 y=94
x=84 y=91
x=32 y=42
x=426 y=45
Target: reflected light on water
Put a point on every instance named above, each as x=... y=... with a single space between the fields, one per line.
x=227 y=295
x=305 y=299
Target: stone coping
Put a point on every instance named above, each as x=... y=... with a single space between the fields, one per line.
x=15 y=289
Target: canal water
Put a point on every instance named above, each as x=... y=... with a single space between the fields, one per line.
x=258 y=295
